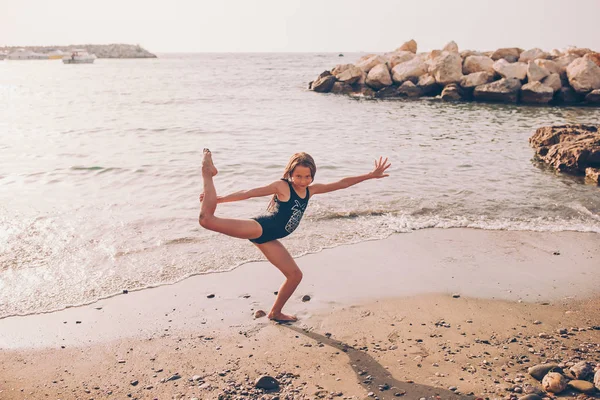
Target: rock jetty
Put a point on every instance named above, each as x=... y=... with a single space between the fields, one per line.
x=509 y=75
x=116 y=50
x=569 y=148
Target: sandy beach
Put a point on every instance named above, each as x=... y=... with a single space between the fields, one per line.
x=456 y=313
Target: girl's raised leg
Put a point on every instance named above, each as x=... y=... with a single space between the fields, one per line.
x=281 y=258
x=240 y=228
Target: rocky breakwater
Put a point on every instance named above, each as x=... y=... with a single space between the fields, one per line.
x=510 y=75
x=570 y=148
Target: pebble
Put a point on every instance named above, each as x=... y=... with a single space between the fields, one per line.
x=134 y=383
x=266 y=382
x=210 y=296
x=259 y=314
x=305 y=298
x=456 y=295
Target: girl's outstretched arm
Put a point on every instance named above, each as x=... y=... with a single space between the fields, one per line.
x=273 y=188
x=381 y=166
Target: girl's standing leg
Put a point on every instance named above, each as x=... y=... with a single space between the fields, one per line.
x=281 y=258
x=240 y=228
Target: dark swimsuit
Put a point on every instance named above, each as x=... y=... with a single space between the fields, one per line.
x=284 y=219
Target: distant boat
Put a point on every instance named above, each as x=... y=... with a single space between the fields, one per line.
x=79 y=56
x=23 y=54
x=3 y=55
x=56 y=55
x=340 y=55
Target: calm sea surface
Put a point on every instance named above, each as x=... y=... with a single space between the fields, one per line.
x=100 y=168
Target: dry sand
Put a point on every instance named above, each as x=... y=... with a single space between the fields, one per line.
x=382 y=320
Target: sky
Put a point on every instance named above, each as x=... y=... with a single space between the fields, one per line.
x=301 y=25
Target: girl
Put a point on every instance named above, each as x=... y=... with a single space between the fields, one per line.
x=289 y=201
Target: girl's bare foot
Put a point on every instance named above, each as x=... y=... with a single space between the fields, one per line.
x=281 y=317
x=207 y=163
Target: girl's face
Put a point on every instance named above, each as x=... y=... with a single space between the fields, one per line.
x=301 y=176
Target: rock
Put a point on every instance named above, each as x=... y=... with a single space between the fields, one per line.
x=386 y=92
x=350 y=74
x=593 y=97
x=582 y=386
x=577 y=51
x=593 y=174
x=504 y=90
x=597 y=379
x=466 y=53
x=379 y=77
x=530 y=397
x=553 y=81
x=369 y=63
x=554 y=382
x=568 y=148
x=582 y=369
x=259 y=314
x=363 y=91
x=506 y=70
x=584 y=75
x=324 y=84
x=532 y=54
x=568 y=96
x=447 y=68
x=409 y=89
x=174 y=377
x=210 y=296
x=196 y=378
x=594 y=57
x=428 y=86
x=535 y=73
x=341 y=88
x=409 y=69
x=537 y=93
x=399 y=57
x=564 y=61
x=548 y=65
x=134 y=382
x=266 y=382
x=411 y=46
x=476 y=79
x=455 y=295
x=478 y=64
x=540 y=370
x=509 y=54
x=451 y=47
x=452 y=92
x=338 y=69
x=305 y=298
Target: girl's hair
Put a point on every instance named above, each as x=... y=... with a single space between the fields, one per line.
x=303 y=159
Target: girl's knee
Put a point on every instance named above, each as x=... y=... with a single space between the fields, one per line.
x=296 y=276
x=205 y=220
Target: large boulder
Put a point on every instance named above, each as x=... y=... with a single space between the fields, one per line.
x=428 y=86
x=568 y=148
x=537 y=93
x=595 y=57
x=566 y=95
x=447 y=68
x=451 y=47
x=553 y=81
x=476 y=79
x=535 y=73
x=509 y=54
x=593 y=97
x=504 y=90
x=584 y=75
x=452 y=92
x=367 y=64
x=338 y=69
x=386 y=92
x=554 y=382
x=577 y=51
x=581 y=370
x=533 y=54
x=508 y=70
x=540 y=370
x=341 y=88
x=379 y=77
x=324 y=83
x=411 y=46
x=362 y=91
x=564 y=61
x=409 y=89
x=409 y=69
x=398 y=57
x=466 y=53
x=478 y=64
x=549 y=65
x=350 y=73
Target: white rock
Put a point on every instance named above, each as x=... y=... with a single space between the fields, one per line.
x=411 y=46
x=577 y=51
x=533 y=54
x=369 y=63
x=553 y=81
x=399 y=57
x=551 y=66
x=447 y=68
x=584 y=75
x=535 y=73
x=564 y=61
x=554 y=382
x=507 y=70
x=478 y=64
x=451 y=47
x=555 y=53
x=476 y=79
x=409 y=69
x=379 y=77
x=509 y=54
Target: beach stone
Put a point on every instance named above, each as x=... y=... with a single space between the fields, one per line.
x=399 y=57
x=409 y=89
x=532 y=54
x=549 y=65
x=540 y=370
x=410 y=69
x=536 y=92
x=259 y=314
x=411 y=46
x=370 y=63
x=476 y=79
x=577 y=51
x=504 y=90
x=451 y=47
x=351 y=74
x=509 y=54
x=564 y=61
x=305 y=298
x=266 y=382
x=210 y=296
x=447 y=68
x=593 y=97
x=553 y=81
x=597 y=379
x=478 y=64
x=535 y=72
x=593 y=174
x=568 y=148
x=581 y=370
x=452 y=92
x=507 y=70
x=554 y=382
x=341 y=88
x=134 y=382
x=530 y=397
x=428 y=86
x=582 y=386
x=324 y=84
x=379 y=77
x=584 y=75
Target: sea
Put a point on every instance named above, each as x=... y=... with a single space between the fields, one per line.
x=100 y=168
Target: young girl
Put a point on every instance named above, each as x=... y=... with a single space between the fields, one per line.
x=290 y=198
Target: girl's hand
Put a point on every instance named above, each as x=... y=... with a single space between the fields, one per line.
x=380 y=167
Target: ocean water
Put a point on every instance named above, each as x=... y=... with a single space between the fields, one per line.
x=100 y=168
